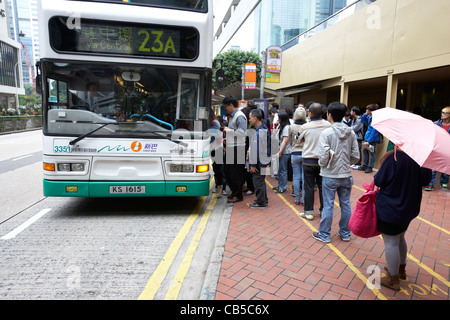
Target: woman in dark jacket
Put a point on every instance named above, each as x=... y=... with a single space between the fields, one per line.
x=398 y=202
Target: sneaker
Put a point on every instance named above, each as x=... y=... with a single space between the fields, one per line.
x=306 y=216
x=444 y=187
x=346 y=239
x=316 y=236
x=368 y=170
x=429 y=188
x=254 y=201
x=257 y=206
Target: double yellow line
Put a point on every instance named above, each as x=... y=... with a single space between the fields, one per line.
x=155 y=281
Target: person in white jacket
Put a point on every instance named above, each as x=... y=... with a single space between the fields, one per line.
x=338 y=149
x=310 y=134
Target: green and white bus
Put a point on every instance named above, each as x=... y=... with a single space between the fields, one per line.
x=126 y=92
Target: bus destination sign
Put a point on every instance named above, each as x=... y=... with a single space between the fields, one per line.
x=120 y=38
x=129 y=40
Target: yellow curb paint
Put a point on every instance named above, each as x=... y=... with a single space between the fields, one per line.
x=174 y=290
x=160 y=273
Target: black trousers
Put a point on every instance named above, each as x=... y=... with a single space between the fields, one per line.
x=259 y=182
x=311 y=176
x=234 y=169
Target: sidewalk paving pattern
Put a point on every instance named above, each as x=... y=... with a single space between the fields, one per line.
x=270 y=253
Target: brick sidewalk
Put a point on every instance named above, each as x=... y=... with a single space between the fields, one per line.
x=270 y=253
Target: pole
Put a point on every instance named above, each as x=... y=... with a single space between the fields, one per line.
x=16 y=95
x=263 y=74
x=243 y=81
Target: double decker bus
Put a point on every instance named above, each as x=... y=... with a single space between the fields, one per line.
x=126 y=93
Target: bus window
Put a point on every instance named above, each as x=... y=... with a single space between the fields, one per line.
x=187 y=104
x=57 y=98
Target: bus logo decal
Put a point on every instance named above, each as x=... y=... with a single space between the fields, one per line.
x=116 y=148
x=136 y=146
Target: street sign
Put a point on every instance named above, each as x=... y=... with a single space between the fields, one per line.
x=272 y=77
x=250 y=76
x=274 y=54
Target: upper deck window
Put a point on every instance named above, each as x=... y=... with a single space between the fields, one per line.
x=191 y=5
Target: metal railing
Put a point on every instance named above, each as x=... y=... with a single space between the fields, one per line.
x=19 y=123
x=328 y=22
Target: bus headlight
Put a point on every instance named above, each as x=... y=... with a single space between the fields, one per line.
x=77 y=167
x=63 y=166
x=67 y=167
x=181 y=168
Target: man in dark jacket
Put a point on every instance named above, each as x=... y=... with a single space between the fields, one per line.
x=370 y=139
x=444 y=123
x=259 y=157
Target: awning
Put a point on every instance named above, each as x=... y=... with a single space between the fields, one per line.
x=236 y=90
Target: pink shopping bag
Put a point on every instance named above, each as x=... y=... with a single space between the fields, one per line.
x=363 y=222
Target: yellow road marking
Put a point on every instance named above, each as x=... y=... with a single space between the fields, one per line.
x=377 y=293
x=160 y=273
x=359 y=188
x=433 y=225
x=174 y=290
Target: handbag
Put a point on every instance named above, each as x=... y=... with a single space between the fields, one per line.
x=363 y=221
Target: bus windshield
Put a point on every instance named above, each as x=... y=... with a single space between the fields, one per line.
x=194 y=5
x=152 y=101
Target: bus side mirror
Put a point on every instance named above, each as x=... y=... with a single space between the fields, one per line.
x=38 y=78
x=220 y=75
x=39 y=84
x=220 y=79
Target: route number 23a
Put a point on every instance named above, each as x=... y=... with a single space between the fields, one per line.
x=158 y=45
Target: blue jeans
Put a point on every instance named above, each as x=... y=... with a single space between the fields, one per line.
x=282 y=172
x=443 y=179
x=343 y=187
x=297 y=169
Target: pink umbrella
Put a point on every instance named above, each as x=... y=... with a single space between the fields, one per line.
x=425 y=142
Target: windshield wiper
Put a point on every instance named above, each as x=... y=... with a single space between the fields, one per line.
x=108 y=123
x=89 y=133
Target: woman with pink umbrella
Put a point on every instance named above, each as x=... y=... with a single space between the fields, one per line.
x=398 y=202
x=401 y=176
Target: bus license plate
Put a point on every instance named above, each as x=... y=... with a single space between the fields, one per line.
x=126 y=189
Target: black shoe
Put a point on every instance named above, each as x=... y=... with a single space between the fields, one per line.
x=363 y=168
x=257 y=206
x=368 y=170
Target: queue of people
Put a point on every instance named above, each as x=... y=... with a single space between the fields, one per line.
x=322 y=144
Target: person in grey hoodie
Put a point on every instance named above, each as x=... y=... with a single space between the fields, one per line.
x=338 y=149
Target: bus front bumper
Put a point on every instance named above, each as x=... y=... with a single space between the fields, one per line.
x=126 y=188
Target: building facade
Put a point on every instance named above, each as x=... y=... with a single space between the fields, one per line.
x=11 y=84
x=24 y=29
x=390 y=51
x=263 y=23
